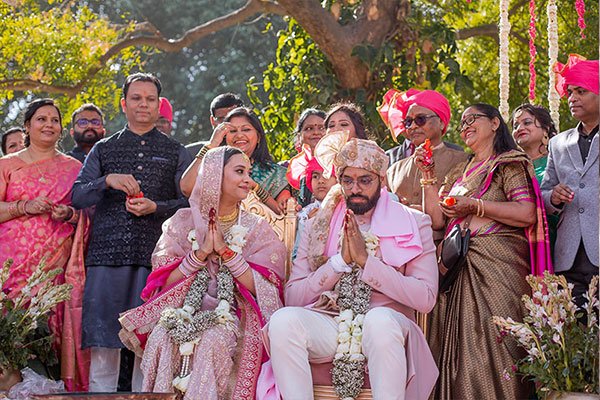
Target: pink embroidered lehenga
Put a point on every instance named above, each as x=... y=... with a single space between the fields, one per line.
x=29 y=239
x=226 y=362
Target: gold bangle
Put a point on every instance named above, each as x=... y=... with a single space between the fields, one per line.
x=262 y=194
x=202 y=152
x=482 y=209
x=478 y=207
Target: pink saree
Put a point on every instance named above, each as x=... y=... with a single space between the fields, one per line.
x=225 y=363
x=28 y=240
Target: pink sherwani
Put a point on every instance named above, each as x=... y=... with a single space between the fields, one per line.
x=408 y=286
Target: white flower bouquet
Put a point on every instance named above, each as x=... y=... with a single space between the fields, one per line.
x=562 y=351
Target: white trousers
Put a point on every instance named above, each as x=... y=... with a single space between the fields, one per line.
x=104 y=371
x=298 y=335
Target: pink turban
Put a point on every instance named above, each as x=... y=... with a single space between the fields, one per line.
x=578 y=72
x=302 y=166
x=165 y=109
x=395 y=106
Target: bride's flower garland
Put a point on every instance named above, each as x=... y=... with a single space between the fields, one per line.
x=354 y=298
x=187 y=324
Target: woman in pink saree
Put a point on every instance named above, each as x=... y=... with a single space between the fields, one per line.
x=37 y=223
x=217 y=279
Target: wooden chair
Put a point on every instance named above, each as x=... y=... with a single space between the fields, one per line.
x=285 y=227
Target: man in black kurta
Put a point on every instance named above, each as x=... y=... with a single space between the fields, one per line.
x=132 y=177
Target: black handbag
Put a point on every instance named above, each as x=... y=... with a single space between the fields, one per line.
x=452 y=254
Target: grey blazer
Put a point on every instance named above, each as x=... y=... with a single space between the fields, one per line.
x=578 y=219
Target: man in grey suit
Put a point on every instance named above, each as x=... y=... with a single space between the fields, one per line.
x=570 y=184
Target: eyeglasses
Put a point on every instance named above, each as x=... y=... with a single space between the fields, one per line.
x=419 y=120
x=83 y=122
x=363 y=182
x=313 y=128
x=469 y=120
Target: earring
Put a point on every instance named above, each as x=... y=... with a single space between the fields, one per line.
x=543 y=149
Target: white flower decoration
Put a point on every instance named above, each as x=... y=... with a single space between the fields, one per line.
x=182 y=383
x=191 y=237
x=236 y=238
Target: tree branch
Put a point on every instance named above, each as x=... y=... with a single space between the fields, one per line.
x=146 y=35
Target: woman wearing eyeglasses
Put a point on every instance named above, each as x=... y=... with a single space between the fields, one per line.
x=497 y=191
x=38 y=224
x=309 y=130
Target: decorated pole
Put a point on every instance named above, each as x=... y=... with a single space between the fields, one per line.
x=504 y=59
x=553 y=97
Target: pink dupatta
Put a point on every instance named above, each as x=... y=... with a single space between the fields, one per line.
x=263 y=251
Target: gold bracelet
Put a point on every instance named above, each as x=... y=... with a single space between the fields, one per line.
x=262 y=194
x=482 y=209
x=202 y=152
x=428 y=182
x=13 y=209
x=478 y=207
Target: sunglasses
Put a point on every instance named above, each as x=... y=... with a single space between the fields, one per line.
x=419 y=120
x=83 y=122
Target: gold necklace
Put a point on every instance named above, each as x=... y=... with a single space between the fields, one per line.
x=225 y=219
x=475 y=171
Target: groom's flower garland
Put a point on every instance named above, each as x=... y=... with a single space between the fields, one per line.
x=187 y=324
x=354 y=297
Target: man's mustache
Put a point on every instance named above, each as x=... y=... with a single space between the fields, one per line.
x=357 y=196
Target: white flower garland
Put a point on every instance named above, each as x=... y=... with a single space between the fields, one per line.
x=349 y=360
x=504 y=66
x=184 y=323
x=553 y=96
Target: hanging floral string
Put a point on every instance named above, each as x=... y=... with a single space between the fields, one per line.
x=580 y=7
x=532 y=50
x=504 y=60
x=553 y=97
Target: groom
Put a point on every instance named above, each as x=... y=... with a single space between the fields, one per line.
x=361 y=239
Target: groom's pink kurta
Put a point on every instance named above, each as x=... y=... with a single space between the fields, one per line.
x=407 y=287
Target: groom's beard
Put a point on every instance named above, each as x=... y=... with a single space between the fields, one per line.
x=360 y=208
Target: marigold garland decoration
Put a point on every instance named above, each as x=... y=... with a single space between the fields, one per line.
x=553 y=96
x=532 y=50
x=504 y=60
x=580 y=7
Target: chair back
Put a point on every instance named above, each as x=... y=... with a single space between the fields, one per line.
x=283 y=225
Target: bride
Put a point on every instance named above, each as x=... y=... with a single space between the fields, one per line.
x=217 y=279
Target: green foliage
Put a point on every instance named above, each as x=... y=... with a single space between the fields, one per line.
x=427 y=55
x=58 y=45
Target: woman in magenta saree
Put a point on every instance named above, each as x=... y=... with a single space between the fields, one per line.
x=217 y=279
x=37 y=223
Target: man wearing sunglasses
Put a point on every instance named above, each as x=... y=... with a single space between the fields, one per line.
x=426 y=116
x=87 y=127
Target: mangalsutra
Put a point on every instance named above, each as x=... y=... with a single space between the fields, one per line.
x=42 y=178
